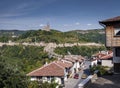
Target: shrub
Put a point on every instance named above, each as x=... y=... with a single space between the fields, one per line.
x=101 y=69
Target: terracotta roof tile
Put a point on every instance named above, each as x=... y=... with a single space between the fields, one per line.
x=51 y=69
x=74 y=58
x=109 y=52
x=102 y=54
x=64 y=64
x=99 y=54
x=107 y=56
x=69 y=59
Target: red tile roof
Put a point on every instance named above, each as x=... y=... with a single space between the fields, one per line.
x=107 y=56
x=109 y=52
x=99 y=55
x=69 y=59
x=51 y=69
x=114 y=19
x=74 y=58
x=103 y=56
x=64 y=64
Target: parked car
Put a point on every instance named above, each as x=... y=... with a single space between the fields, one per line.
x=84 y=76
x=76 y=76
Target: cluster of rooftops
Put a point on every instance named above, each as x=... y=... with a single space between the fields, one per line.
x=103 y=55
x=56 y=68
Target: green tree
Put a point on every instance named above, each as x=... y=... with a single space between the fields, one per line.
x=79 y=50
x=11 y=77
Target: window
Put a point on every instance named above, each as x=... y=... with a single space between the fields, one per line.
x=117 y=31
x=117 y=51
x=48 y=78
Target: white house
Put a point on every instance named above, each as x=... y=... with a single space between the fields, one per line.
x=76 y=60
x=104 y=59
x=56 y=70
x=107 y=60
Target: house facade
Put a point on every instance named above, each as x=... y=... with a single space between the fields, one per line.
x=76 y=60
x=56 y=70
x=107 y=60
x=112 y=28
x=103 y=58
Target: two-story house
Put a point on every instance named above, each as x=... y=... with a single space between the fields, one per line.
x=112 y=27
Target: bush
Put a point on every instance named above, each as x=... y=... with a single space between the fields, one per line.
x=100 y=68
x=10 y=77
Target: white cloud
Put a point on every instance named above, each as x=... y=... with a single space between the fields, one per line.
x=89 y=24
x=67 y=25
x=77 y=23
x=41 y=25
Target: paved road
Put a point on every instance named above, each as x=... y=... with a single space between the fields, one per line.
x=86 y=71
x=73 y=83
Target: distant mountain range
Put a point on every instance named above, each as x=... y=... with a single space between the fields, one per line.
x=11 y=32
x=94 y=35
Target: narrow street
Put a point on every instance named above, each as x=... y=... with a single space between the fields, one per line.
x=73 y=83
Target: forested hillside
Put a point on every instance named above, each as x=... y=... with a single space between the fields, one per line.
x=79 y=50
x=6 y=35
x=96 y=35
x=11 y=32
x=25 y=58
x=17 y=61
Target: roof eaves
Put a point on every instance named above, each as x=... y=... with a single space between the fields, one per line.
x=39 y=68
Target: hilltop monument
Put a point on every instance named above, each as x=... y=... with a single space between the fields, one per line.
x=46 y=27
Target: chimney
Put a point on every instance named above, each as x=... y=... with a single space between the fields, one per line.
x=99 y=51
x=45 y=63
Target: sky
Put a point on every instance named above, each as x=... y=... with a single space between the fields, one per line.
x=63 y=15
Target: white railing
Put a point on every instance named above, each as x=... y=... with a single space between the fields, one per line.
x=85 y=82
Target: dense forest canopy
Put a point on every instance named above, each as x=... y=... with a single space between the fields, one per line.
x=17 y=61
x=79 y=50
x=26 y=58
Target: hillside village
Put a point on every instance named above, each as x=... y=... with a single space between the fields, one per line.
x=59 y=44
x=72 y=64
x=45 y=66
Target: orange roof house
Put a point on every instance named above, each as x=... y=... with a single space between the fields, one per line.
x=51 y=69
x=104 y=59
x=64 y=64
x=60 y=70
x=57 y=69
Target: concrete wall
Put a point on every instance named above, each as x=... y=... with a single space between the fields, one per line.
x=44 y=79
x=108 y=63
x=94 y=63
